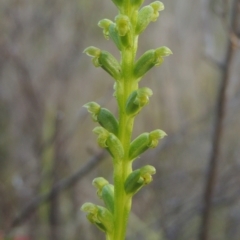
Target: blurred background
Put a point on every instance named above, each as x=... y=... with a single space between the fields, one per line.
x=49 y=155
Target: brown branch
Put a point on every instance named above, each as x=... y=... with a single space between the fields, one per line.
x=218 y=128
x=59 y=187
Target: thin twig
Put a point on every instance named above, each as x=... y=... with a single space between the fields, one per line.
x=218 y=129
x=58 y=188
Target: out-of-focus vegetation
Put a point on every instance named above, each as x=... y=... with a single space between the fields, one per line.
x=44 y=82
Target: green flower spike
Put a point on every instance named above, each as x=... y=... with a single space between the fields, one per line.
x=145 y=141
x=105 y=24
x=150 y=59
x=110 y=142
x=99 y=216
x=105 y=191
x=137 y=100
x=139 y=178
x=103 y=116
x=115 y=134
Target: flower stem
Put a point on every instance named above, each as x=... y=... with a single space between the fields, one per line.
x=123 y=168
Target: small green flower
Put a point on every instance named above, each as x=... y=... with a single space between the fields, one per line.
x=99 y=216
x=105 y=60
x=139 y=178
x=122 y=24
x=105 y=191
x=150 y=59
x=103 y=116
x=110 y=142
x=157 y=7
x=137 y=100
x=105 y=24
x=145 y=141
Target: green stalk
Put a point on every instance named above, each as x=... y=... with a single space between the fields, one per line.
x=124 y=88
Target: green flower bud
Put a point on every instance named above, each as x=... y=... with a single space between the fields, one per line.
x=110 y=64
x=113 y=34
x=99 y=216
x=157 y=7
x=145 y=141
x=103 y=136
x=144 y=18
x=105 y=23
x=155 y=136
x=122 y=24
x=115 y=147
x=138 y=178
x=133 y=182
x=146 y=174
x=110 y=142
x=108 y=197
x=99 y=183
x=105 y=191
x=108 y=121
x=163 y=52
x=105 y=60
x=92 y=51
x=94 y=109
x=150 y=59
x=148 y=14
x=137 y=100
x=103 y=116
